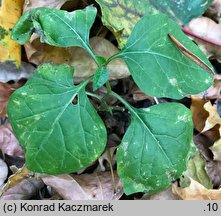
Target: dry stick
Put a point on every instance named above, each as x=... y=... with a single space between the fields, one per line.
x=190 y=55
x=111 y=170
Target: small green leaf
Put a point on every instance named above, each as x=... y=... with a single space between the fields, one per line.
x=156 y=147
x=56 y=27
x=101 y=60
x=158 y=67
x=101 y=76
x=55 y=122
x=120 y=16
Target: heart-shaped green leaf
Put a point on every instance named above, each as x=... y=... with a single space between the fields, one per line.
x=56 y=27
x=156 y=64
x=55 y=122
x=155 y=149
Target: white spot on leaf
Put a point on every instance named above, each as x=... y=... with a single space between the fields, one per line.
x=173 y=82
x=23 y=93
x=183 y=118
x=207 y=81
x=37 y=117
x=17 y=102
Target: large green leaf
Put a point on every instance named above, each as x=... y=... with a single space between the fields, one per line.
x=56 y=27
x=155 y=149
x=121 y=15
x=58 y=136
x=158 y=67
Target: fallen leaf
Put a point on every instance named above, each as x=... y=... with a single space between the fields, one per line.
x=85 y=66
x=213 y=117
x=216 y=149
x=120 y=16
x=219 y=106
x=24 y=190
x=196 y=170
x=38 y=53
x=16 y=178
x=43 y=3
x=83 y=63
x=164 y=195
x=10 y=12
x=205 y=140
x=216 y=5
x=8 y=143
x=213 y=169
x=196 y=191
x=9 y=72
x=199 y=114
x=3 y=172
x=95 y=186
x=6 y=91
x=207 y=34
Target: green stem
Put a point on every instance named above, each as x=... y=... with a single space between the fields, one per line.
x=112 y=58
x=90 y=51
x=129 y=107
x=95 y=96
x=108 y=86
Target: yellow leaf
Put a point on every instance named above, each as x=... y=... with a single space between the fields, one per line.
x=10 y=12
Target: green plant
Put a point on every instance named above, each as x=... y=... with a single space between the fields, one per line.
x=62 y=136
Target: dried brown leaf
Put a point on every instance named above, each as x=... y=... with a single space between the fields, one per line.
x=3 y=172
x=196 y=191
x=95 y=186
x=216 y=149
x=164 y=195
x=209 y=30
x=85 y=66
x=38 y=52
x=83 y=63
x=199 y=114
x=17 y=177
x=43 y=3
x=213 y=118
x=213 y=169
x=205 y=140
x=8 y=143
x=24 y=190
x=6 y=90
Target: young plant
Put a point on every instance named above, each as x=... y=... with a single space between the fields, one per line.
x=62 y=136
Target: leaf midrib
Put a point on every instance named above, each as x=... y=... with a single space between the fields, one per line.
x=71 y=28
x=156 y=140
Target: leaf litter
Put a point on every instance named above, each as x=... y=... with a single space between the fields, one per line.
x=95 y=181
